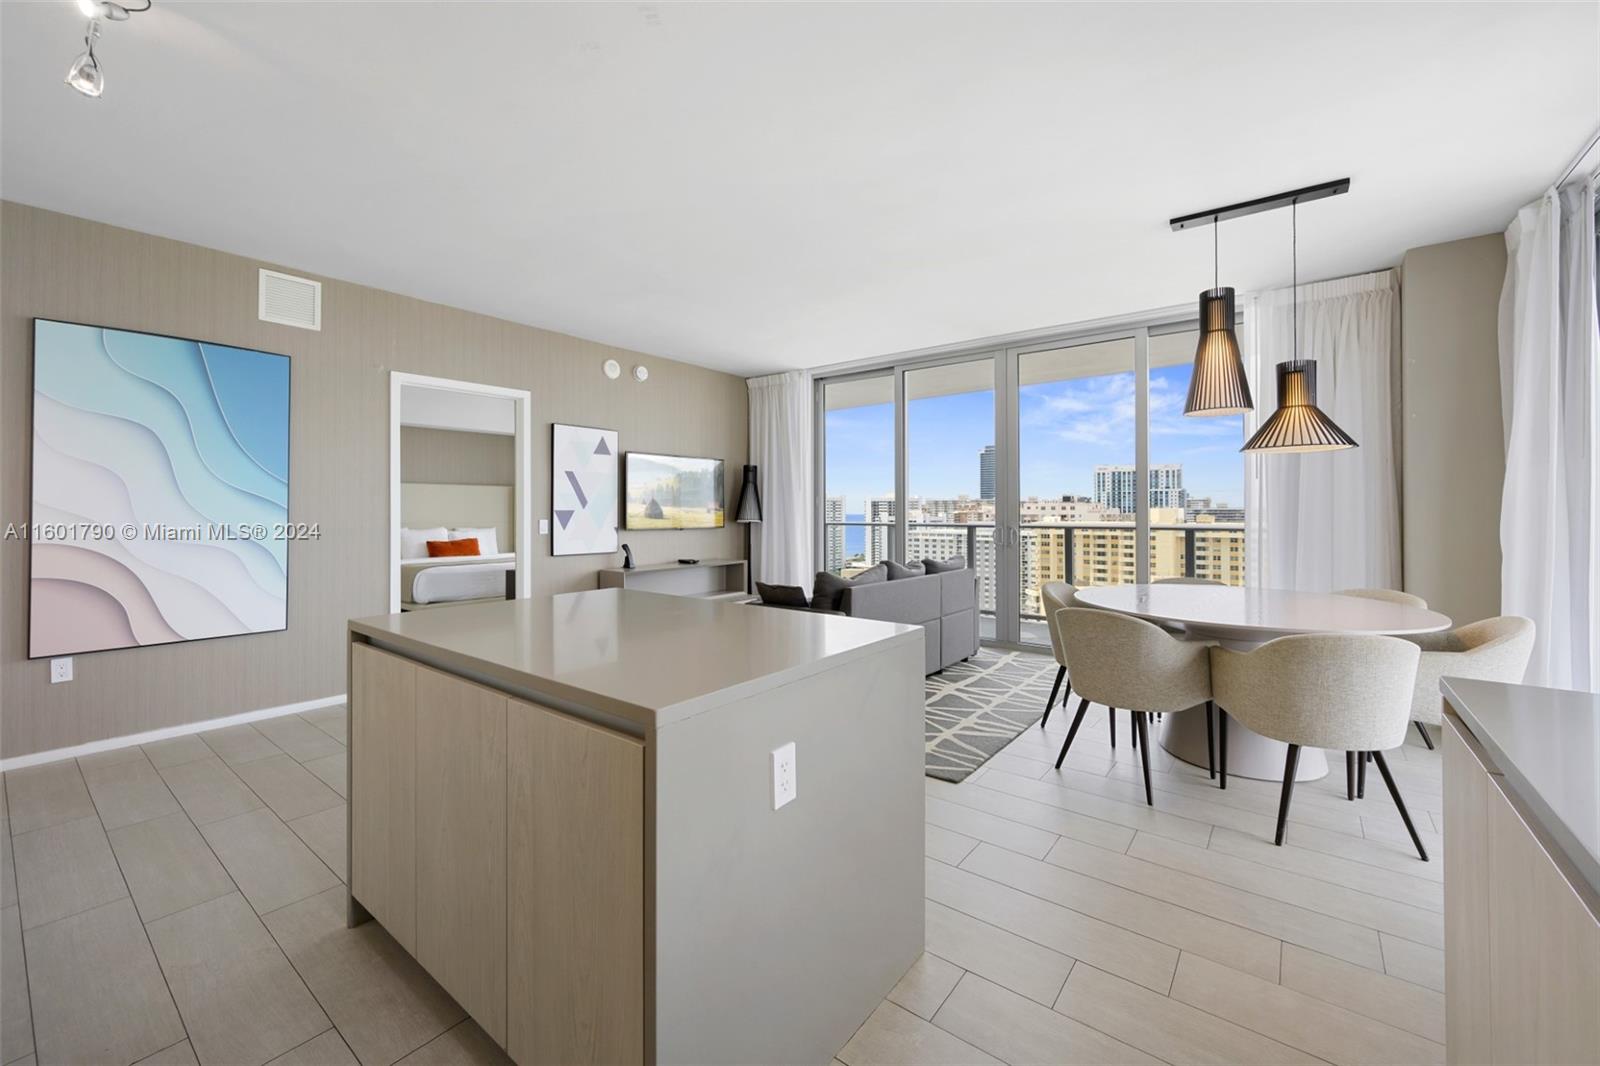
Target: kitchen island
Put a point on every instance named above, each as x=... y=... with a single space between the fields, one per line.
x=566 y=809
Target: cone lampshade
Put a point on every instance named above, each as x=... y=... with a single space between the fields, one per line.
x=1218 y=385
x=1298 y=425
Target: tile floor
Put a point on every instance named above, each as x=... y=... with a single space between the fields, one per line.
x=190 y=890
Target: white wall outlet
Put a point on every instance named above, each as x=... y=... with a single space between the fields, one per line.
x=544 y=527
x=783 y=779
x=60 y=670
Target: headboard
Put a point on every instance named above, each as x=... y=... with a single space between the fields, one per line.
x=423 y=505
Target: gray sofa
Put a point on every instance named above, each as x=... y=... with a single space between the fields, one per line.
x=944 y=605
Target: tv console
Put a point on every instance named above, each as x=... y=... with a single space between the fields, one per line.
x=709 y=579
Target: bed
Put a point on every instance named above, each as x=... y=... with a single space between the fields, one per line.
x=448 y=580
x=431 y=511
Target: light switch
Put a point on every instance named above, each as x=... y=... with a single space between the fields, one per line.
x=544 y=527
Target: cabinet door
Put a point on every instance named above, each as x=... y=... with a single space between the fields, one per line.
x=461 y=843
x=576 y=838
x=383 y=726
x=1544 y=950
x=1466 y=902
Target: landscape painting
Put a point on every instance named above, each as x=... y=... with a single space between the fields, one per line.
x=673 y=492
x=160 y=490
x=584 y=490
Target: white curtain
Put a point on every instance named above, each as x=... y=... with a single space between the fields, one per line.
x=1319 y=522
x=1549 y=346
x=781 y=417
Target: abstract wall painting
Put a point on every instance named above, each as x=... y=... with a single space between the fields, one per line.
x=584 y=490
x=160 y=490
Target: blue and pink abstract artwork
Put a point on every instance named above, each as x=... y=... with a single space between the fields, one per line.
x=160 y=490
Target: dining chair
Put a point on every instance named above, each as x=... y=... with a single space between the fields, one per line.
x=1495 y=649
x=1405 y=599
x=1121 y=661
x=1344 y=693
x=1055 y=597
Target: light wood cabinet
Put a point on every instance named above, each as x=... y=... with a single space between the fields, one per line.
x=576 y=918
x=461 y=843
x=1466 y=903
x=383 y=867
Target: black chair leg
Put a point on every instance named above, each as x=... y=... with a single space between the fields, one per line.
x=1426 y=739
x=1405 y=815
x=1222 y=747
x=1361 y=775
x=1350 y=775
x=1290 y=763
x=1211 y=746
x=1113 y=717
x=1133 y=730
x=1077 y=720
x=1143 y=720
x=1061 y=672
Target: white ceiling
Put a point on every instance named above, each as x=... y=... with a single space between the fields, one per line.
x=763 y=186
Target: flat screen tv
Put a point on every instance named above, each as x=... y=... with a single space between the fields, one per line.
x=672 y=492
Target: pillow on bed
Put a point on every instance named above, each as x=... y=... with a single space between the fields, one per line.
x=414 y=542
x=485 y=536
x=463 y=546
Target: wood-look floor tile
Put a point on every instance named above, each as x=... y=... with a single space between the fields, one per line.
x=1402 y=888
x=463 y=1044
x=98 y=994
x=383 y=1002
x=331 y=720
x=1254 y=799
x=1393 y=831
x=209 y=790
x=128 y=791
x=241 y=1000
x=16 y=1019
x=1330 y=1032
x=1388 y=999
x=287 y=787
x=1132 y=815
x=925 y=986
x=982 y=826
x=328 y=1049
x=1417 y=963
x=1043 y=816
x=179 y=1054
x=299 y=738
x=1013 y=1028
x=237 y=744
x=1377 y=853
x=1003 y=957
x=176 y=750
x=325 y=833
x=63 y=869
x=1282 y=921
x=168 y=865
x=333 y=771
x=1126 y=908
x=946 y=845
x=893 y=1036
x=270 y=864
x=39 y=796
x=101 y=759
x=1070 y=932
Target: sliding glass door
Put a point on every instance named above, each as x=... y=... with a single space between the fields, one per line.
x=858 y=442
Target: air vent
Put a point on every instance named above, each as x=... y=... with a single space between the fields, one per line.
x=290 y=301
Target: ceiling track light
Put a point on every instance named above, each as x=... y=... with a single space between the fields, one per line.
x=85 y=74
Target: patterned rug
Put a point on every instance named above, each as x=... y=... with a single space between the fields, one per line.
x=977 y=707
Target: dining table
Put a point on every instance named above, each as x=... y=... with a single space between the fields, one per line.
x=1241 y=618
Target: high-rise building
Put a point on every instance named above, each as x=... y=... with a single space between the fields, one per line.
x=832 y=533
x=1116 y=487
x=880 y=530
x=986 y=473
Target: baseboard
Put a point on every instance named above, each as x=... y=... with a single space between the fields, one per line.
x=17 y=762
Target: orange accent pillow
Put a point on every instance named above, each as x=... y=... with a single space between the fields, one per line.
x=465 y=546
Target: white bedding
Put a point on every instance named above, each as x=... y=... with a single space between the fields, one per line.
x=455 y=577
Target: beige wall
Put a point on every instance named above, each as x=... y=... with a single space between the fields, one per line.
x=56 y=266
x=454 y=457
x=1453 y=455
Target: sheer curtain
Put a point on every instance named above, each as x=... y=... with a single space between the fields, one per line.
x=1324 y=521
x=1549 y=346
x=781 y=415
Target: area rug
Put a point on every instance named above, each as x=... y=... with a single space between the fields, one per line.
x=977 y=707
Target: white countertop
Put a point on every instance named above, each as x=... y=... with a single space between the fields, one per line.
x=642 y=656
x=1260 y=613
x=1546 y=743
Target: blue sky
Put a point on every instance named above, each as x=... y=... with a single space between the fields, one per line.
x=1067 y=429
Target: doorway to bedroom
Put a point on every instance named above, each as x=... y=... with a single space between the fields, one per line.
x=459 y=504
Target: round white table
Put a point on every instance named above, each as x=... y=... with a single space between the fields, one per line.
x=1243 y=618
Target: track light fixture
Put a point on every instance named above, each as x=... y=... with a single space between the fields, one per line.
x=85 y=74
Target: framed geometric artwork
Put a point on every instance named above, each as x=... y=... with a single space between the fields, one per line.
x=160 y=490
x=584 y=490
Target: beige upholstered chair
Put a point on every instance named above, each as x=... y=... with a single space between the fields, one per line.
x=1386 y=595
x=1185 y=581
x=1345 y=693
x=1056 y=596
x=1495 y=649
x=1121 y=661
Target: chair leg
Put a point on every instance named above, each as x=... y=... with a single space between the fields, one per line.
x=1222 y=747
x=1077 y=720
x=1061 y=672
x=1211 y=747
x=1426 y=739
x=1350 y=775
x=1113 y=717
x=1143 y=720
x=1361 y=775
x=1290 y=763
x=1405 y=815
x=1133 y=730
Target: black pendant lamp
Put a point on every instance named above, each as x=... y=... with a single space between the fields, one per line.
x=1218 y=385
x=1298 y=425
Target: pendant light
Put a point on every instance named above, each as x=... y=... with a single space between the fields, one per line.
x=1298 y=425
x=1218 y=385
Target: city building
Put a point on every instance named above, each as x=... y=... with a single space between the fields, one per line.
x=1116 y=486
x=833 y=533
x=986 y=472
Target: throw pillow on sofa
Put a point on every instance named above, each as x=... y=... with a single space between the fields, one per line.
x=899 y=573
x=782 y=595
x=934 y=566
x=827 y=589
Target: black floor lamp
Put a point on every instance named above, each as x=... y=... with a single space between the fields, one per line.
x=747 y=514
